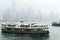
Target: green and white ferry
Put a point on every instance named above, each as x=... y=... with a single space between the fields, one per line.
x=25 y=28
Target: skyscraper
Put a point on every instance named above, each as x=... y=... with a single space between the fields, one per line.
x=13 y=9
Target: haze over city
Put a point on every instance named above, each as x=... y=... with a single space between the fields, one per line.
x=32 y=9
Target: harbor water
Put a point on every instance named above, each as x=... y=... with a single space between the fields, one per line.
x=53 y=35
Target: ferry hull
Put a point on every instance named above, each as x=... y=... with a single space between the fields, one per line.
x=19 y=31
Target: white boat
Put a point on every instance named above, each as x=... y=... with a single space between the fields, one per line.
x=25 y=28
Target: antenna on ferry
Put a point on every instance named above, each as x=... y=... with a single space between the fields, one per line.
x=21 y=22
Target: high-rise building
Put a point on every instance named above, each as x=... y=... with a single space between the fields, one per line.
x=10 y=15
x=6 y=15
x=13 y=10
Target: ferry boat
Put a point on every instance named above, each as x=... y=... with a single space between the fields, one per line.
x=55 y=23
x=25 y=28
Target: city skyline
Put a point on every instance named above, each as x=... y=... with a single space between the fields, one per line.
x=29 y=14
x=45 y=8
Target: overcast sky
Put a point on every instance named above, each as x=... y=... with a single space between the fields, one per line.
x=45 y=6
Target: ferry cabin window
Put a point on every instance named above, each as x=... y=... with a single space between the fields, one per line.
x=24 y=25
x=34 y=26
x=4 y=25
x=12 y=25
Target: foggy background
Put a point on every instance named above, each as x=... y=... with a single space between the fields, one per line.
x=30 y=10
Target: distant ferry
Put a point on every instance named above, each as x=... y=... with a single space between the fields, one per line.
x=23 y=28
x=56 y=24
